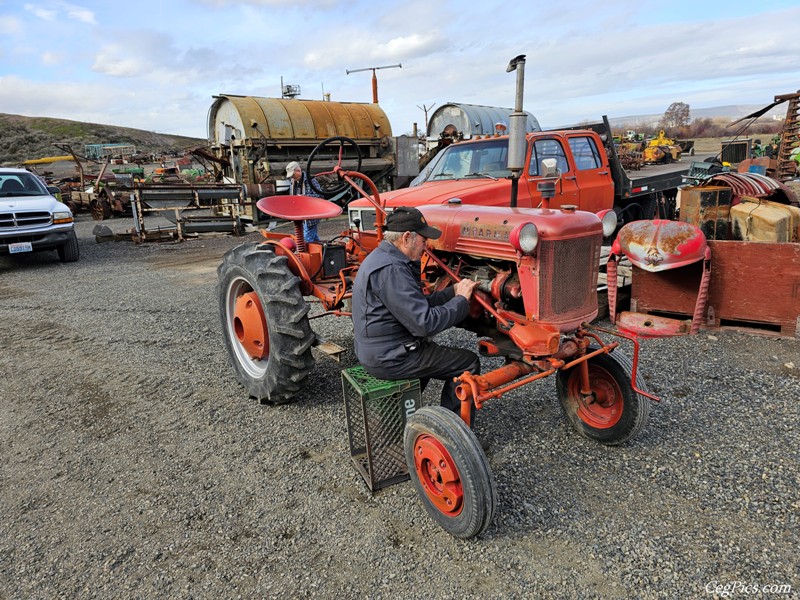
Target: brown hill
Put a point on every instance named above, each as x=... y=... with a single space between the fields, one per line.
x=25 y=138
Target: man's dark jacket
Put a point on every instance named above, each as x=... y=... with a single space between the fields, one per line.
x=390 y=310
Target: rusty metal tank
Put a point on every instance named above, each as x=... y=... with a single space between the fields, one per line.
x=292 y=120
x=253 y=138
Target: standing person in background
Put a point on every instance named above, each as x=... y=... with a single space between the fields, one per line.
x=771 y=151
x=794 y=155
x=299 y=185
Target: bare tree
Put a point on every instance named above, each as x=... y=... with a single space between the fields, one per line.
x=677 y=115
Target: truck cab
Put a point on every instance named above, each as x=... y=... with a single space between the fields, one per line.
x=475 y=172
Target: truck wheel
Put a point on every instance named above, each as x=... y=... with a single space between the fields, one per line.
x=449 y=471
x=69 y=251
x=265 y=323
x=648 y=207
x=615 y=413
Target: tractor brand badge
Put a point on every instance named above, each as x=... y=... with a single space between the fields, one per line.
x=486 y=232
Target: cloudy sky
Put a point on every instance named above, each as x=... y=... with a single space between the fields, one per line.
x=156 y=65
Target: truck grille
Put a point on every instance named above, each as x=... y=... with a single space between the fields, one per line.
x=21 y=220
x=568 y=279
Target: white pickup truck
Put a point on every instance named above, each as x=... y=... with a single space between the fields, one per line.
x=31 y=219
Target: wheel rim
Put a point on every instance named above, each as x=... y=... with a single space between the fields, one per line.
x=438 y=475
x=247 y=327
x=604 y=408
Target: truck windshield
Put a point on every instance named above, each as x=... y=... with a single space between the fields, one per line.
x=472 y=160
x=20 y=184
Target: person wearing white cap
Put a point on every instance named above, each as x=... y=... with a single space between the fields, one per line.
x=299 y=186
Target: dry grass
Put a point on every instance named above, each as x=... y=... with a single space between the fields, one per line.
x=703 y=145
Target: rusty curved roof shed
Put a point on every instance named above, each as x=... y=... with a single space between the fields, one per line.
x=473 y=119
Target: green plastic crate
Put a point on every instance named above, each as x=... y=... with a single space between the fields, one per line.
x=376 y=412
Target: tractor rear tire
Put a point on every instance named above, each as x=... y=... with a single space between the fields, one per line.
x=617 y=414
x=277 y=375
x=449 y=471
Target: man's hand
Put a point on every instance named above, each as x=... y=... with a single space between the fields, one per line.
x=465 y=288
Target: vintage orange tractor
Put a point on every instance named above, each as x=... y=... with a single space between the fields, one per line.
x=537 y=269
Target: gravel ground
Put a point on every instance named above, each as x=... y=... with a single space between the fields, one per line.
x=135 y=467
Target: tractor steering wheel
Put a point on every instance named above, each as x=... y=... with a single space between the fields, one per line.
x=331 y=150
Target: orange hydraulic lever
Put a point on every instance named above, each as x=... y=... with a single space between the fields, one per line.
x=478 y=297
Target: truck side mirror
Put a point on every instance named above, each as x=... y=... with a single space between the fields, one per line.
x=549 y=168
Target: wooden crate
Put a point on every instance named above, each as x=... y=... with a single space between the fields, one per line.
x=754 y=285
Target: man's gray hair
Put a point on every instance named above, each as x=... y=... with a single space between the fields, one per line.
x=393 y=237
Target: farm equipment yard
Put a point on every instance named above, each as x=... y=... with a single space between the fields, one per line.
x=135 y=465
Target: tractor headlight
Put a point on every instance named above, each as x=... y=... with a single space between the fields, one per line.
x=525 y=238
x=609 y=220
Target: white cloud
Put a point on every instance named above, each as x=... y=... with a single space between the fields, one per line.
x=354 y=48
x=44 y=13
x=108 y=62
x=79 y=13
x=164 y=110
x=450 y=52
x=10 y=25
x=319 y=4
x=50 y=11
x=50 y=59
x=407 y=46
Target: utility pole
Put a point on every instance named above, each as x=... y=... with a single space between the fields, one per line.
x=374 y=77
x=425 y=109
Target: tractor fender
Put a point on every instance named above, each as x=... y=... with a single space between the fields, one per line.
x=295 y=264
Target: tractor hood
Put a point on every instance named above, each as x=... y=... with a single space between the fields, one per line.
x=485 y=230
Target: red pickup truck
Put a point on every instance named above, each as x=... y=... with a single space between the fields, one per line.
x=589 y=176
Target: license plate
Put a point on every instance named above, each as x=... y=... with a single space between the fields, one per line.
x=20 y=247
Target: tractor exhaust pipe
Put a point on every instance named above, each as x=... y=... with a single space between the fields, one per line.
x=516 y=130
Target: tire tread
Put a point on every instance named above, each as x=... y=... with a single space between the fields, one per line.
x=290 y=335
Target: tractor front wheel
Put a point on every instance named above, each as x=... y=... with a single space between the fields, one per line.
x=613 y=413
x=449 y=471
x=265 y=323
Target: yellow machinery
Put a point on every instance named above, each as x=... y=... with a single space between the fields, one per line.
x=661 y=149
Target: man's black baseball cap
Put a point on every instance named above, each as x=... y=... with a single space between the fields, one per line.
x=407 y=218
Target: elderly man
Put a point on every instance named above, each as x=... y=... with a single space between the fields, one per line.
x=392 y=318
x=300 y=186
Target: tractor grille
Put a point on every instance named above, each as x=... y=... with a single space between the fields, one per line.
x=10 y=220
x=568 y=279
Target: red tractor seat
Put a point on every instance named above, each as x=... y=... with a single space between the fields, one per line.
x=298 y=208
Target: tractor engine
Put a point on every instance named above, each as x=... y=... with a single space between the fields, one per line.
x=533 y=265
